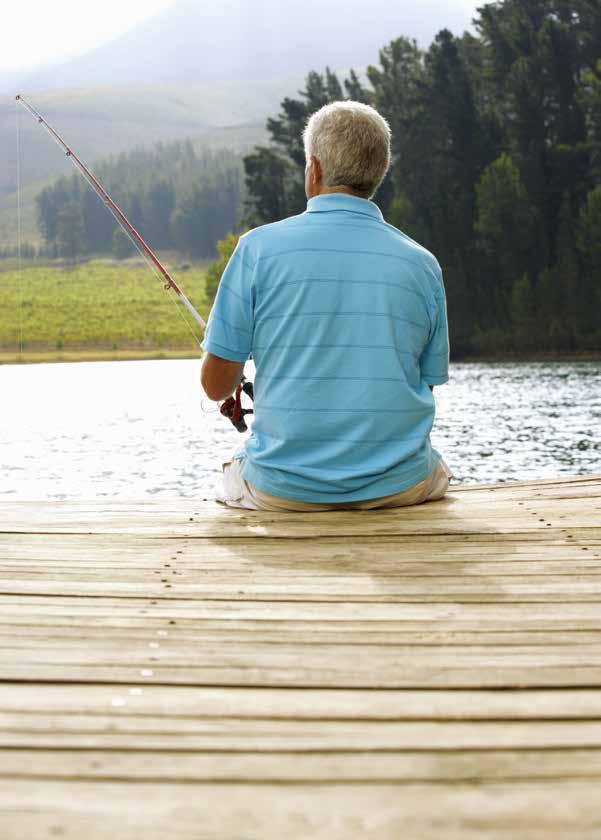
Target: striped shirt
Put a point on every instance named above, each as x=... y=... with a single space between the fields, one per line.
x=345 y=317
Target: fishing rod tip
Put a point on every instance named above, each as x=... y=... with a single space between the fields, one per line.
x=18 y=96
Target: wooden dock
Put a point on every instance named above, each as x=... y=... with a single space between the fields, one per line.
x=177 y=671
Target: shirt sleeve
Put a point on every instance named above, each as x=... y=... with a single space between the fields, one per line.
x=230 y=328
x=434 y=361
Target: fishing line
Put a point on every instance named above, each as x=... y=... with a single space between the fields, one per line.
x=19 y=253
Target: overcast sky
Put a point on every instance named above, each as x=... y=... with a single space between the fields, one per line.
x=38 y=31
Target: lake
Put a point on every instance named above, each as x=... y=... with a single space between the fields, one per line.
x=134 y=430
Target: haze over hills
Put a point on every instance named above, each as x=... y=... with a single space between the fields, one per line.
x=199 y=69
x=237 y=40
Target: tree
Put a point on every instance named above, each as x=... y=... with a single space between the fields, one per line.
x=398 y=84
x=456 y=145
x=122 y=247
x=158 y=203
x=590 y=97
x=145 y=183
x=523 y=314
x=536 y=63
x=70 y=230
x=505 y=222
x=589 y=233
x=49 y=203
x=225 y=249
x=204 y=211
x=589 y=245
x=566 y=295
x=269 y=182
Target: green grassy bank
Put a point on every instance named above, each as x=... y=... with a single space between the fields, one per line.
x=110 y=310
x=97 y=310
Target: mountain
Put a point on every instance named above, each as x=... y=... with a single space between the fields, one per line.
x=237 y=40
x=211 y=71
x=102 y=122
x=97 y=122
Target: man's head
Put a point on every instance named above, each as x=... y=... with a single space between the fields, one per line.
x=347 y=148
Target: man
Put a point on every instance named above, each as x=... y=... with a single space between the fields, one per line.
x=345 y=318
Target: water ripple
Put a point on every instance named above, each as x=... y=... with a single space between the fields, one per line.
x=137 y=429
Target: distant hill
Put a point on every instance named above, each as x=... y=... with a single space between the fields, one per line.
x=102 y=122
x=246 y=42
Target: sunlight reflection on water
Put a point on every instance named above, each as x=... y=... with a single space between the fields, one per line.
x=137 y=429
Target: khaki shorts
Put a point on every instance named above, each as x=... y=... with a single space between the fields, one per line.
x=238 y=493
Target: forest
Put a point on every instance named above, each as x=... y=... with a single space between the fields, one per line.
x=176 y=197
x=496 y=169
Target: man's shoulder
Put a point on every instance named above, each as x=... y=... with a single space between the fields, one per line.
x=275 y=237
x=413 y=251
x=255 y=242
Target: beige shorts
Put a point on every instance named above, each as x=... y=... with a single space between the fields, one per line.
x=238 y=493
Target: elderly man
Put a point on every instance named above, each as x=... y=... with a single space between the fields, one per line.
x=345 y=318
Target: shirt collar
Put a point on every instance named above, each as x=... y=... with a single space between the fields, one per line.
x=327 y=202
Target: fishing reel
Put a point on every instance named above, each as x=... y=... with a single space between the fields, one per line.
x=232 y=407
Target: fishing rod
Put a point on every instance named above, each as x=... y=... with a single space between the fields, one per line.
x=232 y=406
x=139 y=244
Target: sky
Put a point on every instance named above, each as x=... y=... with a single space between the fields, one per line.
x=40 y=31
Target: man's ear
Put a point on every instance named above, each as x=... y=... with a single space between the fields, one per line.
x=316 y=173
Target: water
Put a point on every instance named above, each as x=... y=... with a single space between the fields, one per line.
x=134 y=430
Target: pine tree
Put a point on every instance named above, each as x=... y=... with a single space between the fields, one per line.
x=589 y=245
x=70 y=233
x=524 y=322
x=504 y=224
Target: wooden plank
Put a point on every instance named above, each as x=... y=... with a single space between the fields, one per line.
x=27 y=635
x=357 y=573
x=323 y=561
x=304 y=704
x=170 y=612
x=447 y=516
x=124 y=549
x=319 y=767
x=261 y=656
x=530 y=810
x=118 y=551
x=506 y=670
x=259 y=675
x=227 y=734
x=526 y=486
x=404 y=589
x=121 y=555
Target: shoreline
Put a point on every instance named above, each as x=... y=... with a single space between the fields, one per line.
x=98 y=355
x=52 y=356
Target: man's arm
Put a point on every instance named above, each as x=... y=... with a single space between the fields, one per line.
x=228 y=337
x=220 y=377
x=434 y=361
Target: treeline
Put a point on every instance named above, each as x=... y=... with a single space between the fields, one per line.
x=174 y=196
x=496 y=168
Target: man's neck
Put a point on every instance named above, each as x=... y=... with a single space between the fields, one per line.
x=342 y=190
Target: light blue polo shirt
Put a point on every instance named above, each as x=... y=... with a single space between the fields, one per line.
x=345 y=317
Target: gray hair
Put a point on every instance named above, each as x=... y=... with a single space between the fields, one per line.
x=351 y=141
